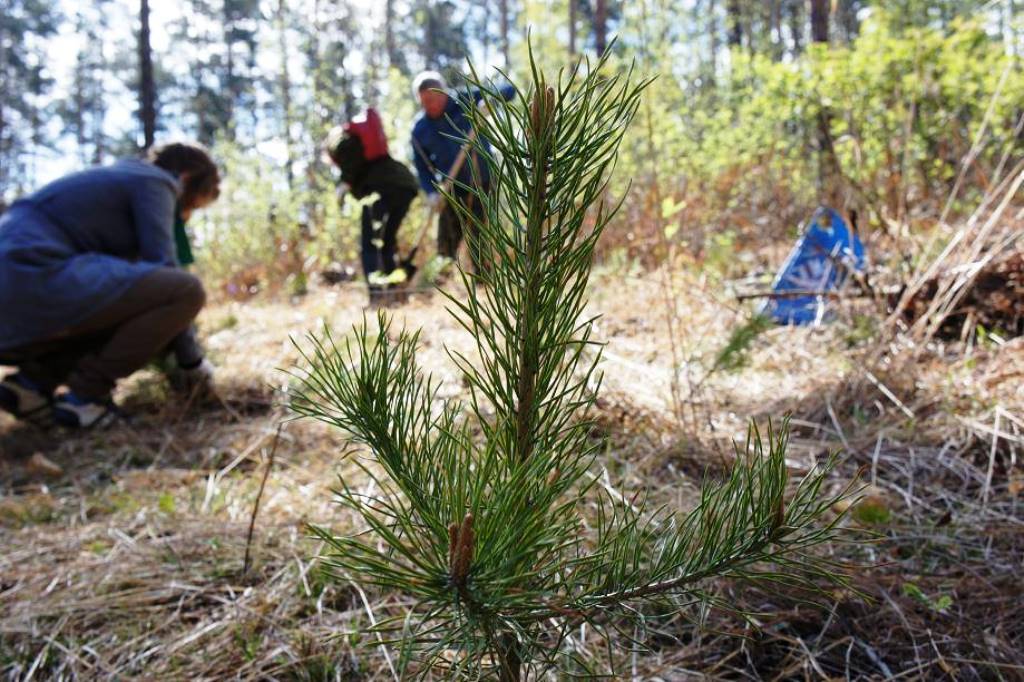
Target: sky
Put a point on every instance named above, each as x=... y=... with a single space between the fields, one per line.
x=122 y=19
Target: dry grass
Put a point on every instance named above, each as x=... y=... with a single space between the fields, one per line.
x=129 y=563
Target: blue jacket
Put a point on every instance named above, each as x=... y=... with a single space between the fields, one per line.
x=78 y=244
x=434 y=152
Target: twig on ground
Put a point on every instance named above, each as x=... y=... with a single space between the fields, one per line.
x=259 y=496
x=991 y=461
x=373 y=623
x=889 y=394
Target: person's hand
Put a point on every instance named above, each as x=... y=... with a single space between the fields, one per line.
x=341 y=192
x=434 y=201
x=194 y=379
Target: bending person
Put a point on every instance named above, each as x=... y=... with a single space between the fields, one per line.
x=90 y=288
x=368 y=170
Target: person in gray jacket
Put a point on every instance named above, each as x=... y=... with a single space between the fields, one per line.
x=90 y=286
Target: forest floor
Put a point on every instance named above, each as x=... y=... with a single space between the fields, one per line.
x=128 y=561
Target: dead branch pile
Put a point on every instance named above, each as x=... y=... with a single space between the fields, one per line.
x=994 y=301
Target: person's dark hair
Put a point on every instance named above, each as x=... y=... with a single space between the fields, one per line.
x=188 y=158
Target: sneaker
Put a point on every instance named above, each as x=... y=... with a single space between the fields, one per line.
x=79 y=413
x=21 y=397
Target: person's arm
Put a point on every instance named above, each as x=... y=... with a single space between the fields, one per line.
x=423 y=170
x=153 y=211
x=507 y=92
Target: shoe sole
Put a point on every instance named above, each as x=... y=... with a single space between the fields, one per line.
x=69 y=420
x=42 y=416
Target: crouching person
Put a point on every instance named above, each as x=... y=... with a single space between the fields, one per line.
x=90 y=288
x=359 y=150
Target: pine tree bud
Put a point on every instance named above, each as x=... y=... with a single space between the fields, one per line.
x=535 y=116
x=453 y=546
x=465 y=555
x=542 y=112
x=553 y=477
x=778 y=519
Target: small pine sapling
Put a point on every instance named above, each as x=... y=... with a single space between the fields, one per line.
x=483 y=514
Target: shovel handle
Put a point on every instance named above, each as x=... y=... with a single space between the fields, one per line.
x=445 y=188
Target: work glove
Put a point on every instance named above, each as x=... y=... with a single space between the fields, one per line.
x=341 y=191
x=194 y=379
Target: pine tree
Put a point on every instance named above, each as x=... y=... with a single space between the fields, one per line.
x=485 y=515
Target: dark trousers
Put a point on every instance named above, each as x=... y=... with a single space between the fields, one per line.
x=380 y=223
x=451 y=229
x=118 y=340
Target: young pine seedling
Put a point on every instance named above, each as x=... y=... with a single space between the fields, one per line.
x=483 y=514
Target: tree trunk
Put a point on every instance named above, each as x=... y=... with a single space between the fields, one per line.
x=714 y=45
x=389 y=31
x=395 y=58
x=796 y=25
x=99 y=111
x=1014 y=36
x=777 y=39
x=734 y=22
x=286 y=90
x=147 y=84
x=229 y=75
x=36 y=123
x=572 y=28
x=372 y=71
x=828 y=164
x=847 y=18
x=503 y=10
x=484 y=31
x=819 y=20
x=313 y=56
x=600 y=27
x=78 y=86
x=3 y=116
